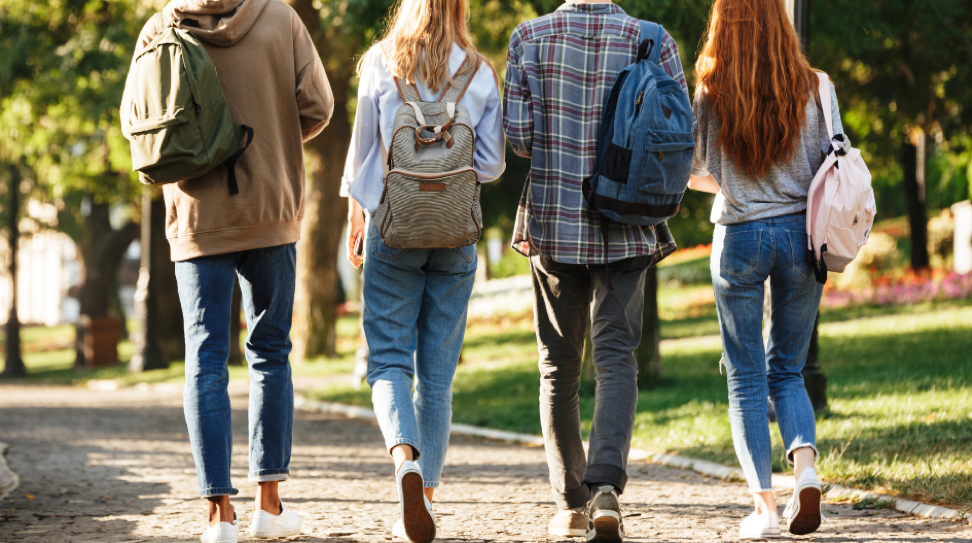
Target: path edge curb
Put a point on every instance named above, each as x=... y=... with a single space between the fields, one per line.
x=9 y=480
x=704 y=467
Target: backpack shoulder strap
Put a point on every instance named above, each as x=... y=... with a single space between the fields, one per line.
x=408 y=93
x=825 y=108
x=651 y=38
x=456 y=88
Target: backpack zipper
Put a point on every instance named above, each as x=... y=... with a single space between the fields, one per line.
x=638 y=100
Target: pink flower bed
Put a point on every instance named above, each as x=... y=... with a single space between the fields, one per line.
x=909 y=289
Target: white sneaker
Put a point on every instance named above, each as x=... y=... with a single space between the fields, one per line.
x=764 y=525
x=418 y=523
x=223 y=532
x=398 y=530
x=803 y=511
x=269 y=526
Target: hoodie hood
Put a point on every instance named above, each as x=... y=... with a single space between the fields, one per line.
x=218 y=22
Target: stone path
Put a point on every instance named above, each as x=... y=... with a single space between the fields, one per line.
x=115 y=467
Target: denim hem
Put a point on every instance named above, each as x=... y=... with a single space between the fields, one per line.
x=267 y=475
x=606 y=474
x=402 y=441
x=218 y=491
x=577 y=497
x=431 y=484
x=789 y=452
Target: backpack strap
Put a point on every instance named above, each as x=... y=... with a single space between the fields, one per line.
x=408 y=93
x=825 y=107
x=651 y=39
x=234 y=187
x=453 y=92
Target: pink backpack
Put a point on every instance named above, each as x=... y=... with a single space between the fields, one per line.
x=840 y=205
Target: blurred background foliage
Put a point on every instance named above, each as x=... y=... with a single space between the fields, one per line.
x=901 y=67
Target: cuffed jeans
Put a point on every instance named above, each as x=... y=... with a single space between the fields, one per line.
x=743 y=257
x=415 y=303
x=267 y=279
x=568 y=298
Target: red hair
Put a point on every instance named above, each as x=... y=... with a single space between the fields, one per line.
x=758 y=81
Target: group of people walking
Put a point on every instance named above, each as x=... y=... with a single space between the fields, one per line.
x=759 y=137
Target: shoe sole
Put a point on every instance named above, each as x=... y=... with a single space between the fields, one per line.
x=275 y=534
x=807 y=519
x=607 y=528
x=223 y=540
x=765 y=534
x=568 y=532
x=419 y=523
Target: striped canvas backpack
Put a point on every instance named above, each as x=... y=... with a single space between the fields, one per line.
x=431 y=195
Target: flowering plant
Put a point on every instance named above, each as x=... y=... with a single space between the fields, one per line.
x=910 y=288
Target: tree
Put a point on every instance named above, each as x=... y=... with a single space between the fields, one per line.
x=13 y=363
x=901 y=68
x=63 y=70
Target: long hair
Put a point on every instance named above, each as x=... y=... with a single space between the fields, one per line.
x=758 y=81
x=420 y=37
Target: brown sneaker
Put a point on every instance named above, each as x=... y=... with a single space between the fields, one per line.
x=568 y=523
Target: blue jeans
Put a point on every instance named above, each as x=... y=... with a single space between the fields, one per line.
x=743 y=257
x=267 y=279
x=415 y=303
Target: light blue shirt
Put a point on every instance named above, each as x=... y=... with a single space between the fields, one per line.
x=378 y=101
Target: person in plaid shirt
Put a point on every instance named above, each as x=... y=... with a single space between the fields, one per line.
x=560 y=69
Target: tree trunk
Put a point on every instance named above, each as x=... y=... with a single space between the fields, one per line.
x=13 y=364
x=315 y=317
x=101 y=252
x=913 y=164
x=170 y=334
x=148 y=355
x=235 y=353
x=648 y=353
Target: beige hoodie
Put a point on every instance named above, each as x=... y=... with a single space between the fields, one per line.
x=274 y=81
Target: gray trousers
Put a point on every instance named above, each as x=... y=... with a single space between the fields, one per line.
x=568 y=297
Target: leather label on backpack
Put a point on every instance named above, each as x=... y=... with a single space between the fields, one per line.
x=432 y=187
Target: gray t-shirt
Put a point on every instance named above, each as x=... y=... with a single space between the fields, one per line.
x=783 y=190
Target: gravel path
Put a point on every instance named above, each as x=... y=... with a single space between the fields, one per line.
x=115 y=467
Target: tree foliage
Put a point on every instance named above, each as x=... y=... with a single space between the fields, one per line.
x=901 y=65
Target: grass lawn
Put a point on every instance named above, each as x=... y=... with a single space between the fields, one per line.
x=900 y=387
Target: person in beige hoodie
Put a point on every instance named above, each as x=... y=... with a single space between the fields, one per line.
x=274 y=82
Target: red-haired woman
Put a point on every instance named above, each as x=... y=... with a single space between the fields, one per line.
x=760 y=138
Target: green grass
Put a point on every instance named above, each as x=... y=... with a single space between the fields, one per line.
x=900 y=388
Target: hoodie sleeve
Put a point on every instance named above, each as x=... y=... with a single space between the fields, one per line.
x=315 y=102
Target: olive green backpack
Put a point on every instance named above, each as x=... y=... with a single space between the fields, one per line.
x=179 y=125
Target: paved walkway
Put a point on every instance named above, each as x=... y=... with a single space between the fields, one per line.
x=115 y=467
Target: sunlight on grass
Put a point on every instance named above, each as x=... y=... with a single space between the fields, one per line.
x=900 y=387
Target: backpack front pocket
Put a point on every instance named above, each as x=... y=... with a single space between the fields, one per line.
x=430 y=211
x=168 y=138
x=667 y=162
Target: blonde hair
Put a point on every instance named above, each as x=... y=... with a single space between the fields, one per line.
x=419 y=40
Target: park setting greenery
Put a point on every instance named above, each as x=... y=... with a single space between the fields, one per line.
x=900 y=377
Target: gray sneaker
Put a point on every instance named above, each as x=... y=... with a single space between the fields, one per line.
x=604 y=517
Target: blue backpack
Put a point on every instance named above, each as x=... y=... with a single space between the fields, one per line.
x=645 y=148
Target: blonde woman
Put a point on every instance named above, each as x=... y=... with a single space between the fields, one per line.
x=415 y=300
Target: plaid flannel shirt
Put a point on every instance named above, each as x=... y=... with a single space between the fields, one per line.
x=559 y=71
